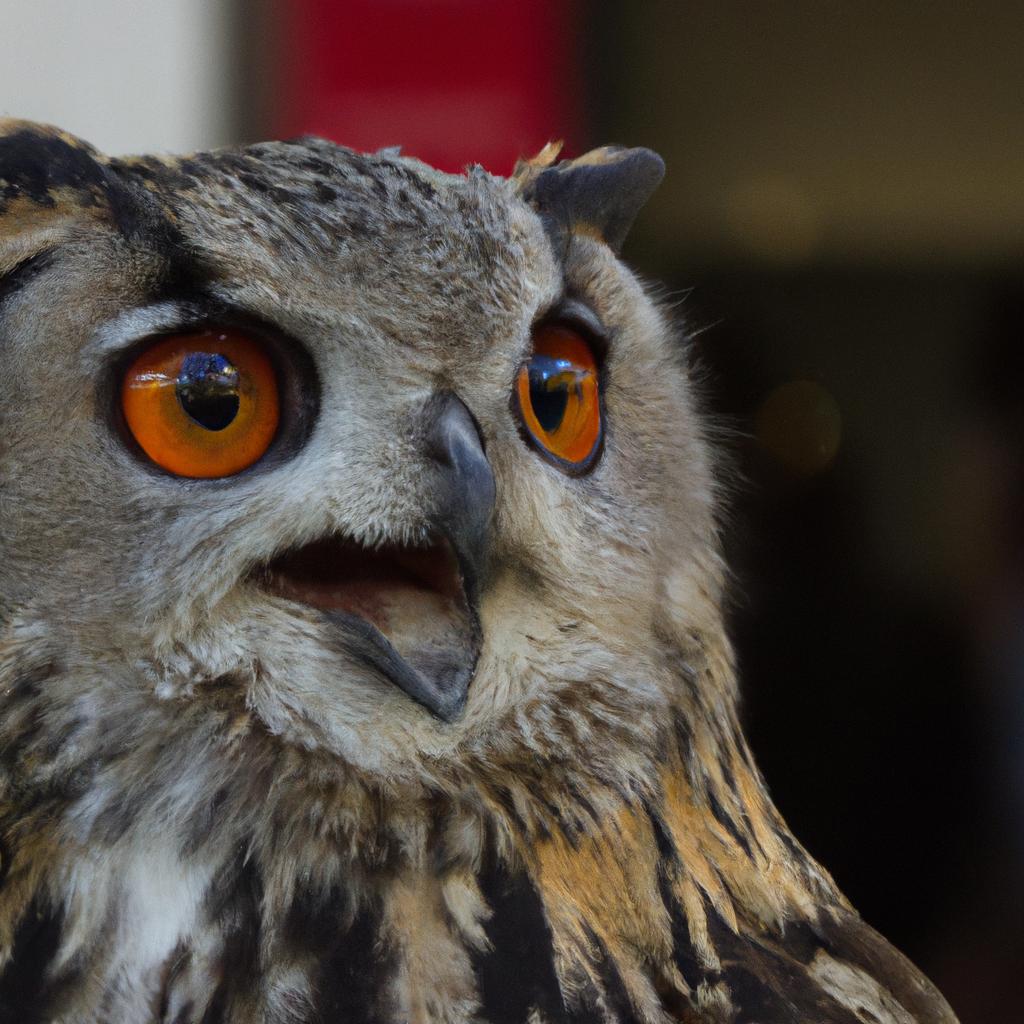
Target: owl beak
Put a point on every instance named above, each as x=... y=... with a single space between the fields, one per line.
x=437 y=675
x=465 y=491
x=411 y=612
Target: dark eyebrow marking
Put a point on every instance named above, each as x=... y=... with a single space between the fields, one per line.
x=570 y=309
x=22 y=272
x=576 y=310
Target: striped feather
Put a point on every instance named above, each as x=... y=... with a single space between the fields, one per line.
x=512 y=888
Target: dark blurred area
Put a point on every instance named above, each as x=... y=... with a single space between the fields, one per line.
x=842 y=226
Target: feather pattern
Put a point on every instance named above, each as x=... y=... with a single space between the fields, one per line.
x=261 y=883
x=212 y=811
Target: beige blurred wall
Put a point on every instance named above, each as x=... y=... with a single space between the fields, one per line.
x=127 y=75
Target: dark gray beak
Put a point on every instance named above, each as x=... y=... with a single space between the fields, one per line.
x=465 y=489
x=435 y=662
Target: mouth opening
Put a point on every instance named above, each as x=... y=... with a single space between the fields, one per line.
x=403 y=609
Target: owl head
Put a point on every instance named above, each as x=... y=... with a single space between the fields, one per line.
x=400 y=455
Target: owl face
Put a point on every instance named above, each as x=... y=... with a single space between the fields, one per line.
x=394 y=455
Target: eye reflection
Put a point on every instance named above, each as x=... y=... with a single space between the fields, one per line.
x=207 y=388
x=551 y=383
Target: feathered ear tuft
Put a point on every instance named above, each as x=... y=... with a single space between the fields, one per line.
x=50 y=179
x=47 y=178
x=39 y=163
x=530 y=166
x=599 y=193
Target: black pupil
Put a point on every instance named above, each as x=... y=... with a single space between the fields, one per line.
x=207 y=389
x=551 y=381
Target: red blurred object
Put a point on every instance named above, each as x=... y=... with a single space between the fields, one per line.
x=451 y=81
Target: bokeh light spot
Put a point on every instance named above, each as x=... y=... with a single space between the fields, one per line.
x=799 y=423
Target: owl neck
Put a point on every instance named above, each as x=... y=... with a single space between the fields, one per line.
x=202 y=872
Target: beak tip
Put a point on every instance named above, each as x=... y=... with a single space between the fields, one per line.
x=446 y=695
x=449 y=711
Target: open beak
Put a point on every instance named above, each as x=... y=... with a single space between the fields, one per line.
x=411 y=612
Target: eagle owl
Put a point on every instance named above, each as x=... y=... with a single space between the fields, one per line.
x=362 y=653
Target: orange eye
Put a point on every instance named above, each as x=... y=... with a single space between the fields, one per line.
x=202 y=405
x=557 y=396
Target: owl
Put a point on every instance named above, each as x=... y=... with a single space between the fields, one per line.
x=362 y=654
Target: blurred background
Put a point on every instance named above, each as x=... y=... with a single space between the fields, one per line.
x=842 y=226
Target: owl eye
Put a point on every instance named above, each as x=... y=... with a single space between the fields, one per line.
x=558 y=400
x=202 y=405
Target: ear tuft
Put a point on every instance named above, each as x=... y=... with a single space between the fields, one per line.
x=527 y=167
x=599 y=193
x=39 y=163
x=49 y=179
